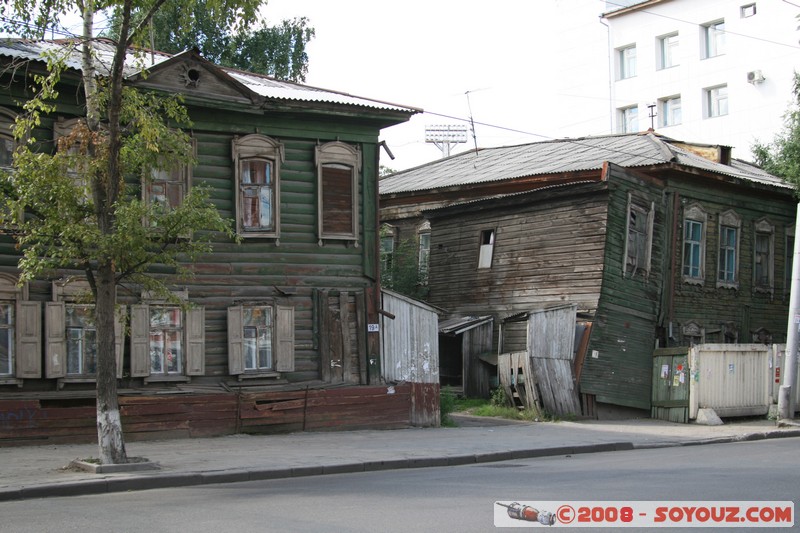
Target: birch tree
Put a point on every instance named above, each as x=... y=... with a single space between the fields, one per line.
x=70 y=205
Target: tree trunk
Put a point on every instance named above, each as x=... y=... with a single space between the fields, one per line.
x=109 y=423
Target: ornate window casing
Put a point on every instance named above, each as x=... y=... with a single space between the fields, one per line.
x=338 y=168
x=694 y=244
x=20 y=333
x=260 y=340
x=167 y=188
x=639 y=238
x=70 y=334
x=764 y=257
x=730 y=225
x=257 y=160
x=167 y=340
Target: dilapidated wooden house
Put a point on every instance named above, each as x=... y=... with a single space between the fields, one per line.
x=283 y=332
x=655 y=242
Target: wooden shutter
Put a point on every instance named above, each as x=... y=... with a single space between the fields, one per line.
x=29 y=340
x=235 y=341
x=195 y=342
x=55 y=351
x=337 y=201
x=140 y=340
x=119 y=338
x=284 y=339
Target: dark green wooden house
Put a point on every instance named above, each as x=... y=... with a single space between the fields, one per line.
x=658 y=243
x=280 y=333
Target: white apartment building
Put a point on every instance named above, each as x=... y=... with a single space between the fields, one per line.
x=711 y=71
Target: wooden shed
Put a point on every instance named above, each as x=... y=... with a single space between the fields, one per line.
x=466 y=361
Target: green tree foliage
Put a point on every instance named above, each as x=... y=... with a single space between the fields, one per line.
x=73 y=206
x=400 y=270
x=277 y=51
x=782 y=156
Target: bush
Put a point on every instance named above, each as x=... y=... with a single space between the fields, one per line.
x=447 y=404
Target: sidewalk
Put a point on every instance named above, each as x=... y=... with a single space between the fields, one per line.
x=39 y=471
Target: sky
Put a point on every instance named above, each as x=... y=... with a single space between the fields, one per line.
x=524 y=70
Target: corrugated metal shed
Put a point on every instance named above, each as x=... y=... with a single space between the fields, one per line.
x=563 y=156
x=135 y=63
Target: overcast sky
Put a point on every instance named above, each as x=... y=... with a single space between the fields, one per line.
x=534 y=69
x=524 y=70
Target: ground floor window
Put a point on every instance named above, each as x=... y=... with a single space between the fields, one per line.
x=6 y=338
x=81 y=340
x=257 y=330
x=166 y=340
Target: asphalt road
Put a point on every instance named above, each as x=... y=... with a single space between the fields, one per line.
x=458 y=499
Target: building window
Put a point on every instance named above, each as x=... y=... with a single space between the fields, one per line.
x=671 y=111
x=260 y=339
x=20 y=333
x=714 y=38
x=627 y=62
x=763 y=256
x=257 y=160
x=167 y=187
x=716 y=101
x=628 y=119
x=7 y=338
x=387 y=248
x=7 y=144
x=486 y=249
x=338 y=167
x=728 y=267
x=694 y=240
x=424 y=255
x=167 y=341
x=668 y=51
x=81 y=340
x=640 y=236
x=747 y=10
x=67 y=139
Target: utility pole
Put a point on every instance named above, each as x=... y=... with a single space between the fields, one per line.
x=787 y=393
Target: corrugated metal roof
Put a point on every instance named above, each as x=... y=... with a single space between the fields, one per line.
x=562 y=156
x=460 y=324
x=135 y=63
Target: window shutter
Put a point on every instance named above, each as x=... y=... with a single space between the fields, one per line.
x=196 y=342
x=285 y=339
x=337 y=201
x=55 y=351
x=29 y=340
x=119 y=338
x=140 y=340
x=235 y=341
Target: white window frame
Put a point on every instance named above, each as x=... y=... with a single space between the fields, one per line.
x=667 y=50
x=671 y=113
x=69 y=292
x=26 y=357
x=729 y=221
x=337 y=158
x=486 y=248
x=257 y=147
x=765 y=229
x=283 y=341
x=634 y=264
x=716 y=101
x=748 y=10
x=424 y=251
x=628 y=119
x=695 y=214
x=626 y=60
x=713 y=38
x=192 y=362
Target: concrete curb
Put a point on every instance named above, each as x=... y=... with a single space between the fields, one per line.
x=150 y=480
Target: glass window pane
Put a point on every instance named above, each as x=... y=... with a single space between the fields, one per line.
x=250 y=348
x=265 y=348
x=6 y=350
x=265 y=199
x=173 y=352
x=6 y=151
x=6 y=314
x=74 y=350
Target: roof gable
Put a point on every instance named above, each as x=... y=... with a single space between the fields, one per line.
x=189 y=74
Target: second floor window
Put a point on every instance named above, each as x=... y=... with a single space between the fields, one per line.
x=627 y=62
x=694 y=244
x=257 y=159
x=486 y=249
x=338 y=168
x=668 y=51
x=714 y=38
x=728 y=239
x=671 y=111
x=716 y=101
